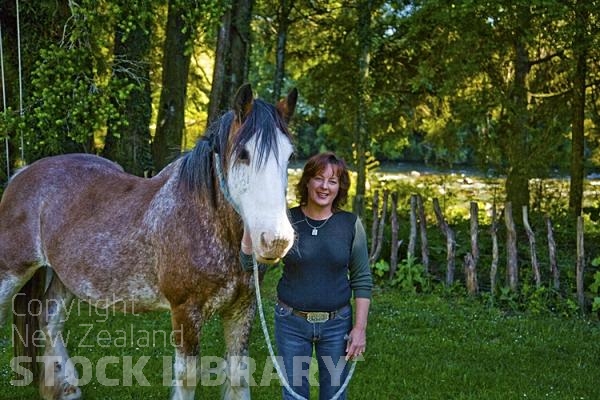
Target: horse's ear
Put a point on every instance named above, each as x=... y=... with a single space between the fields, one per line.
x=287 y=106
x=243 y=101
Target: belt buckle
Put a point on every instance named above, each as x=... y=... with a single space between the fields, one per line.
x=315 y=317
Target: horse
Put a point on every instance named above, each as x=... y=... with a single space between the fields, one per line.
x=82 y=228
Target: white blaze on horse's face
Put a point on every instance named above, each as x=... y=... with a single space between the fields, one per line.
x=259 y=192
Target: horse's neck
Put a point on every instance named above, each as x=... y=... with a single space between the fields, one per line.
x=200 y=206
x=225 y=216
x=220 y=214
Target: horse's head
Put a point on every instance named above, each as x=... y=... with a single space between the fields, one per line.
x=259 y=148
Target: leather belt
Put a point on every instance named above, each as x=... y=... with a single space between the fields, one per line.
x=313 y=316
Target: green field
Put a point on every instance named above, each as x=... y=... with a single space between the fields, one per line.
x=420 y=346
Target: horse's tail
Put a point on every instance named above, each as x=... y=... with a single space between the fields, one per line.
x=26 y=322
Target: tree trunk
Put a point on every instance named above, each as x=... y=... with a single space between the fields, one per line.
x=232 y=57
x=240 y=46
x=129 y=143
x=170 y=122
x=517 y=181
x=578 y=107
x=362 y=131
x=283 y=24
x=220 y=69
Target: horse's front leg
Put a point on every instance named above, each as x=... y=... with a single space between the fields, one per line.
x=186 y=369
x=239 y=367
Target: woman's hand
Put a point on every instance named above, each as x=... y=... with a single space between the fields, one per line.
x=357 y=343
x=357 y=340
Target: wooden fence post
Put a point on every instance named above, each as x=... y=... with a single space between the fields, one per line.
x=580 y=264
x=380 y=226
x=474 y=212
x=494 y=266
x=374 y=224
x=412 y=239
x=423 y=231
x=472 y=258
x=471 y=274
x=512 y=267
x=531 y=236
x=418 y=221
x=450 y=242
x=552 y=255
x=395 y=244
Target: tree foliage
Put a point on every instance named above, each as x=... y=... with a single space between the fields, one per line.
x=489 y=83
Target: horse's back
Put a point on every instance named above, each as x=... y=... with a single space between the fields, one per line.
x=67 y=164
x=54 y=182
x=71 y=211
x=68 y=171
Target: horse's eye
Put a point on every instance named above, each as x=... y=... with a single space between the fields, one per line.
x=244 y=156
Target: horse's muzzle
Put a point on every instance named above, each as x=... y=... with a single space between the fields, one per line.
x=271 y=249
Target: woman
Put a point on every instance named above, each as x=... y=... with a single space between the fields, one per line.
x=325 y=267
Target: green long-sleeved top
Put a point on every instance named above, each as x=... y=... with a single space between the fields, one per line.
x=320 y=273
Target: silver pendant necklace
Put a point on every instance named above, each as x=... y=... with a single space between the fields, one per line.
x=315 y=229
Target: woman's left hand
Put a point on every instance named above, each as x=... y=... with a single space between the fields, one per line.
x=357 y=343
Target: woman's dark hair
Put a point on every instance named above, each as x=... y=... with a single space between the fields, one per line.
x=317 y=164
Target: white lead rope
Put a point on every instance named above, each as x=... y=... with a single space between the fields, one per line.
x=263 y=323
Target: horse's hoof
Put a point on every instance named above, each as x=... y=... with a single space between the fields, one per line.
x=69 y=392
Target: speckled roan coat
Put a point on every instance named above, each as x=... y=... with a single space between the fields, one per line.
x=169 y=242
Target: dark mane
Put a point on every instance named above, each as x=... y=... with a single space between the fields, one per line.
x=263 y=121
x=196 y=172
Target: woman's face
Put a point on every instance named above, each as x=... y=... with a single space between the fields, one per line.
x=323 y=187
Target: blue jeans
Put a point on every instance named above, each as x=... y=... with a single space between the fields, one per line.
x=296 y=338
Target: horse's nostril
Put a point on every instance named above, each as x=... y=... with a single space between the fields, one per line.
x=264 y=240
x=272 y=244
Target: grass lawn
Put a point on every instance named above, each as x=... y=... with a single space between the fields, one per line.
x=419 y=347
